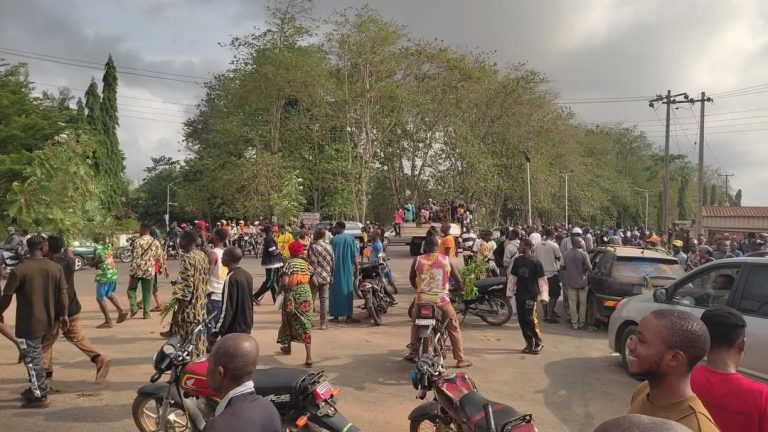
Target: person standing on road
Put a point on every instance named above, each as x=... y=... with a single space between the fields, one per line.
x=217 y=272
x=73 y=333
x=189 y=293
x=511 y=249
x=283 y=239
x=271 y=260
x=669 y=343
x=399 y=215
x=106 y=284
x=236 y=314
x=735 y=402
x=345 y=269
x=533 y=234
x=41 y=300
x=447 y=243
x=145 y=252
x=429 y=275
x=320 y=258
x=548 y=253
x=575 y=268
x=231 y=365
x=677 y=252
x=527 y=284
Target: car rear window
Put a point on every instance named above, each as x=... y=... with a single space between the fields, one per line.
x=641 y=267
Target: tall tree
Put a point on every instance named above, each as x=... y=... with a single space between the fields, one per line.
x=111 y=159
x=737 y=198
x=682 y=200
x=713 y=198
x=93 y=106
x=705 y=197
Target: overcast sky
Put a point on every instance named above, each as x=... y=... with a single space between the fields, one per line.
x=589 y=49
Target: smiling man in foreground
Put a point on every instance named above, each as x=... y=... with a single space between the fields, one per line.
x=668 y=344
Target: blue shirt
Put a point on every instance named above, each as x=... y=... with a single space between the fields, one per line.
x=376 y=249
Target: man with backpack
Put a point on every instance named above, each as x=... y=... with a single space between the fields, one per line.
x=511 y=249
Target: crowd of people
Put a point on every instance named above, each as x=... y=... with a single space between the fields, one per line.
x=541 y=264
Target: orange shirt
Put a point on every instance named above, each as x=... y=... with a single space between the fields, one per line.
x=448 y=243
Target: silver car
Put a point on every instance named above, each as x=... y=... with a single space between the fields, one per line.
x=741 y=283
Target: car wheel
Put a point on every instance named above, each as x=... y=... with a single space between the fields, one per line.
x=79 y=261
x=628 y=332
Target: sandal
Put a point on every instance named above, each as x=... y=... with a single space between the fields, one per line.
x=105 y=325
x=308 y=363
x=122 y=316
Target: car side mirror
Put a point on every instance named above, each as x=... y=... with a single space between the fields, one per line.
x=660 y=295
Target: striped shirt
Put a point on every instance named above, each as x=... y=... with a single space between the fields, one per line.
x=320 y=257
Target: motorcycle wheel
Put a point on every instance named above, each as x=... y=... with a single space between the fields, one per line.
x=146 y=409
x=505 y=311
x=309 y=427
x=125 y=255
x=427 y=425
x=372 y=312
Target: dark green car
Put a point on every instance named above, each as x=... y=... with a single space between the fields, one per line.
x=84 y=252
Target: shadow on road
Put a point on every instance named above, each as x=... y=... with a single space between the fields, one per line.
x=580 y=387
x=100 y=414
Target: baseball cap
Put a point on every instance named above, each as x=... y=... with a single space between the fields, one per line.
x=678 y=243
x=576 y=230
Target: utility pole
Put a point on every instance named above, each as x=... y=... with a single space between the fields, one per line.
x=668 y=100
x=168 y=204
x=699 y=225
x=566 y=174
x=646 y=206
x=528 y=168
x=727 y=197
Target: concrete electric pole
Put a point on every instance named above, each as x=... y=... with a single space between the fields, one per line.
x=727 y=197
x=668 y=100
x=699 y=225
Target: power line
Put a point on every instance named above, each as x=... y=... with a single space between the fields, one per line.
x=102 y=64
x=97 y=68
x=119 y=95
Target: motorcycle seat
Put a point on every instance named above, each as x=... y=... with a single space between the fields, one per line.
x=277 y=381
x=471 y=407
x=485 y=285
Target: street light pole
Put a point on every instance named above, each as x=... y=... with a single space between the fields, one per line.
x=168 y=204
x=528 y=169
x=566 y=174
x=646 y=206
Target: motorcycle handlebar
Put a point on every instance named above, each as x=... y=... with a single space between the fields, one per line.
x=155 y=377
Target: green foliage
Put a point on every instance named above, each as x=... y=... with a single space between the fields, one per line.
x=288 y=203
x=109 y=158
x=737 y=199
x=470 y=273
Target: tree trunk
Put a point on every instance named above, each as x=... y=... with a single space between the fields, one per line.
x=274 y=135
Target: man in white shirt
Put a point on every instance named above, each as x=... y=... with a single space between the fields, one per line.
x=511 y=247
x=548 y=252
x=533 y=234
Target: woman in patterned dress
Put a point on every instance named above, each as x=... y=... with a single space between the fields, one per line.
x=189 y=292
x=295 y=280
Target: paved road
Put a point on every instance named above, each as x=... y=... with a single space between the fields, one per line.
x=572 y=386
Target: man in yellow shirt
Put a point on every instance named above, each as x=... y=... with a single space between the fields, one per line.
x=448 y=243
x=667 y=346
x=283 y=239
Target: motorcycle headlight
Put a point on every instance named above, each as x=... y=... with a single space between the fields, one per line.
x=168 y=349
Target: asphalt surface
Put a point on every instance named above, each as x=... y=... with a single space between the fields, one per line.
x=574 y=385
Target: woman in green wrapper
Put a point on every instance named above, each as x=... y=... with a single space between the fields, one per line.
x=295 y=280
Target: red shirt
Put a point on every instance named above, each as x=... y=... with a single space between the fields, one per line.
x=736 y=404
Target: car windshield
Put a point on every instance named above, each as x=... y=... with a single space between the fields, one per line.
x=641 y=267
x=354 y=226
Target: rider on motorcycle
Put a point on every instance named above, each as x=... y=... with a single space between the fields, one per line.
x=430 y=273
x=173 y=234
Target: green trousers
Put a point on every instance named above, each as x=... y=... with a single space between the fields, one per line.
x=146 y=293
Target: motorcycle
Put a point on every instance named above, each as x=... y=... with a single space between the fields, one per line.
x=431 y=324
x=373 y=289
x=304 y=399
x=11 y=258
x=457 y=405
x=246 y=244
x=171 y=249
x=125 y=253
x=490 y=304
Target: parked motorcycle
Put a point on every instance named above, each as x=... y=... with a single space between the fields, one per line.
x=304 y=399
x=373 y=289
x=433 y=338
x=491 y=303
x=125 y=253
x=457 y=405
x=246 y=244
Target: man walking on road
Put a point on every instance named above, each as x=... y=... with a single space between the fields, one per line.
x=669 y=343
x=106 y=284
x=575 y=267
x=41 y=300
x=345 y=269
x=142 y=271
x=236 y=312
x=73 y=333
x=527 y=284
x=320 y=258
x=548 y=253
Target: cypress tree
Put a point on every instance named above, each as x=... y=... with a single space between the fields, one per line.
x=737 y=198
x=705 y=197
x=80 y=113
x=93 y=106
x=713 y=195
x=682 y=200
x=112 y=165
